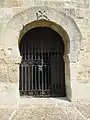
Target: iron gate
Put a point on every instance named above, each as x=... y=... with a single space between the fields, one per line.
x=41 y=70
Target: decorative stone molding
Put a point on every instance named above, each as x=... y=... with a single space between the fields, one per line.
x=64 y=22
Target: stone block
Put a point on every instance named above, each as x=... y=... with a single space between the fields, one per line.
x=82 y=5
x=6 y=14
x=9 y=94
x=56 y=4
x=69 y=11
x=2 y=3
x=9 y=71
x=13 y=3
x=28 y=3
x=82 y=13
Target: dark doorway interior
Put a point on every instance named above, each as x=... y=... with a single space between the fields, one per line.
x=42 y=67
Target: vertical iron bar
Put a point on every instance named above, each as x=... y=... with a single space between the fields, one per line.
x=32 y=64
x=35 y=70
x=25 y=67
x=56 y=69
x=61 y=71
x=51 y=72
x=22 y=70
x=38 y=70
x=28 y=78
x=42 y=63
x=20 y=79
x=45 y=73
x=28 y=69
x=25 y=78
x=48 y=71
x=46 y=79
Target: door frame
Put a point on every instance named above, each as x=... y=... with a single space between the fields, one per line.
x=54 y=92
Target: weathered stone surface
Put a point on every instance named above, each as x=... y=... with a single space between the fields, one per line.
x=47 y=113
x=49 y=108
x=8 y=71
x=13 y=3
x=42 y=109
x=82 y=13
x=2 y=3
x=84 y=108
x=5 y=113
x=72 y=15
x=9 y=94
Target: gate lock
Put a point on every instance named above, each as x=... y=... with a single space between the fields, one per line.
x=40 y=67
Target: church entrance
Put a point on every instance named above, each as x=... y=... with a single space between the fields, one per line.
x=42 y=71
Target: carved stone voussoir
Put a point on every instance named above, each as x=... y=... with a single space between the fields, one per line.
x=41 y=15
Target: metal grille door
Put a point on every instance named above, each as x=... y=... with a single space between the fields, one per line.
x=42 y=66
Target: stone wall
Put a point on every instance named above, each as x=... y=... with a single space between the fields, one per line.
x=79 y=11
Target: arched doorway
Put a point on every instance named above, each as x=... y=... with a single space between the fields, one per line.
x=42 y=66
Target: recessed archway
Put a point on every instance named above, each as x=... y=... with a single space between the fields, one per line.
x=49 y=24
x=42 y=71
x=58 y=21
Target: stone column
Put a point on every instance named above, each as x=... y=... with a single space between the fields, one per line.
x=67 y=76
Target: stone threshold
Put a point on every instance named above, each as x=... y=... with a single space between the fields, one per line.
x=43 y=101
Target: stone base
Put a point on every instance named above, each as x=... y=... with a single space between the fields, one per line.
x=9 y=94
x=80 y=91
